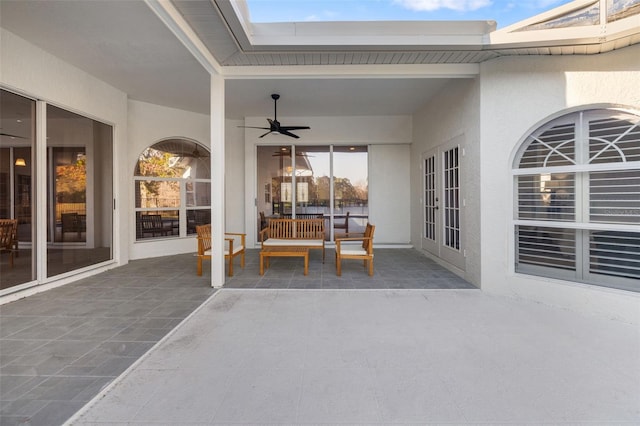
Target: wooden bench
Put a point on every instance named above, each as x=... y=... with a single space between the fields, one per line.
x=302 y=233
x=275 y=251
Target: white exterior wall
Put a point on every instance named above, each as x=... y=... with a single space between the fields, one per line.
x=384 y=206
x=148 y=124
x=518 y=95
x=234 y=176
x=389 y=194
x=454 y=111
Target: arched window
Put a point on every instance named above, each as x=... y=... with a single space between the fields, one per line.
x=172 y=189
x=577 y=182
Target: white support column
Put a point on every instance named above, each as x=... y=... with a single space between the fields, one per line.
x=217 y=181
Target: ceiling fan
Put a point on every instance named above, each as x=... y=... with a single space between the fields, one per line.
x=10 y=135
x=196 y=153
x=275 y=126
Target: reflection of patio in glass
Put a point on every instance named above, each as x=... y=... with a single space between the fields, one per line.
x=317 y=191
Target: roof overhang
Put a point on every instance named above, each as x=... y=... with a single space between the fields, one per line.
x=251 y=44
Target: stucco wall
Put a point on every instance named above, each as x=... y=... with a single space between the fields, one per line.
x=518 y=95
x=234 y=176
x=452 y=112
x=389 y=194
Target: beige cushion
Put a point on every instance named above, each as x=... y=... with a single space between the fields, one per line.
x=226 y=251
x=292 y=242
x=354 y=251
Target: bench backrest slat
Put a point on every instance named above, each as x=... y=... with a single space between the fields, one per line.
x=296 y=228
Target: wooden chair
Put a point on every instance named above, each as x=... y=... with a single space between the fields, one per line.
x=152 y=223
x=344 y=225
x=263 y=221
x=73 y=222
x=363 y=252
x=8 y=238
x=231 y=248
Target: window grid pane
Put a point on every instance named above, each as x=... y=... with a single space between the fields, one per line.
x=614 y=197
x=547 y=197
x=615 y=253
x=157 y=194
x=198 y=194
x=548 y=247
x=554 y=147
x=613 y=140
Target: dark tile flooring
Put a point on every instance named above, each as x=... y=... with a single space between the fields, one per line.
x=59 y=348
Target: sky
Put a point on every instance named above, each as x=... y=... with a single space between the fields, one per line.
x=504 y=12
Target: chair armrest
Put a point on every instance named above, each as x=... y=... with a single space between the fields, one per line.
x=236 y=234
x=343 y=235
x=354 y=239
x=340 y=240
x=242 y=237
x=264 y=232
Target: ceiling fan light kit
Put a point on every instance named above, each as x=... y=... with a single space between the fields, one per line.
x=274 y=125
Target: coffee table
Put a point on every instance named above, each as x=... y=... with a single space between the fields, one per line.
x=283 y=251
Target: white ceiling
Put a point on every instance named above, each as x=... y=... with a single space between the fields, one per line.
x=125 y=44
x=329 y=97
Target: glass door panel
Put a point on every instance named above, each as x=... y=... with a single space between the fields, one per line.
x=17 y=192
x=80 y=191
x=312 y=176
x=274 y=182
x=350 y=189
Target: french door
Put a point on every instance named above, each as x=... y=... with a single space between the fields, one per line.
x=442 y=202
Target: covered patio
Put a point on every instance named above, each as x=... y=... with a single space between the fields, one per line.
x=413 y=344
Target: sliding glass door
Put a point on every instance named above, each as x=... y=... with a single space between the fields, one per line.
x=77 y=193
x=309 y=181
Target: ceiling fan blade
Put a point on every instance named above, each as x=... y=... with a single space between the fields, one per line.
x=295 y=128
x=12 y=136
x=288 y=133
x=262 y=136
x=254 y=127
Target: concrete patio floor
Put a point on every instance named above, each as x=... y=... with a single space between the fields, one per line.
x=379 y=357
x=413 y=345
